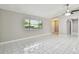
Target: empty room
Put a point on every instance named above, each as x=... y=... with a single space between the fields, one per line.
x=39 y=28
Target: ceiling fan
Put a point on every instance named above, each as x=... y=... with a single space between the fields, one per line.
x=70 y=12
x=67 y=12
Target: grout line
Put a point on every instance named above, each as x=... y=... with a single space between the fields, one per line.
x=24 y=38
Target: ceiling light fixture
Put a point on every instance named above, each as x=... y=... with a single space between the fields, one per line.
x=68 y=13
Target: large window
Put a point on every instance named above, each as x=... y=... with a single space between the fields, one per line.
x=32 y=24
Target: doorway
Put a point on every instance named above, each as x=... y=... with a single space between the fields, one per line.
x=55 y=26
x=72 y=26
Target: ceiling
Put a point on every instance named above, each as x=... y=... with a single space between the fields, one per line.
x=42 y=10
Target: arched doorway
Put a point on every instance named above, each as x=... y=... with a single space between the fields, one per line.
x=72 y=27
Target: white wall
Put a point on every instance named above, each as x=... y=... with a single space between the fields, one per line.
x=12 y=26
x=62 y=27
x=0 y=28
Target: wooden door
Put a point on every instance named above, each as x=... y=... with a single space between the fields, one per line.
x=55 y=26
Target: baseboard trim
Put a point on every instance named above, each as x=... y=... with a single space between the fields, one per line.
x=36 y=36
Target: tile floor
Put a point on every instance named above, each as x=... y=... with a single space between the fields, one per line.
x=50 y=44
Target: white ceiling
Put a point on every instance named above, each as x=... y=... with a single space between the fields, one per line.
x=42 y=10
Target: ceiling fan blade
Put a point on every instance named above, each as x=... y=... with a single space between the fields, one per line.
x=72 y=12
